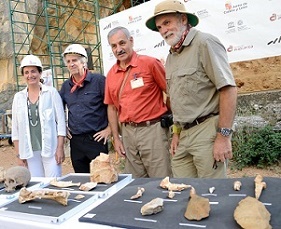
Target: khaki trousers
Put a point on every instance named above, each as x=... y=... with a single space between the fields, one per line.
x=194 y=154
x=147 y=151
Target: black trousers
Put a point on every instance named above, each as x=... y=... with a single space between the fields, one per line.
x=83 y=149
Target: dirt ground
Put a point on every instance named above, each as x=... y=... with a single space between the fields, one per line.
x=8 y=159
x=258 y=75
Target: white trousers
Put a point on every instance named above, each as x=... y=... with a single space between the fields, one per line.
x=43 y=166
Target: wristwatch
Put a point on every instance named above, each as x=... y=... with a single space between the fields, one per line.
x=225 y=131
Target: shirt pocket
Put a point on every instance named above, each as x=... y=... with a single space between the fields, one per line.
x=186 y=81
x=91 y=98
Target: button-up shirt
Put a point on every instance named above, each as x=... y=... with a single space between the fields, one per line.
x=86 y=111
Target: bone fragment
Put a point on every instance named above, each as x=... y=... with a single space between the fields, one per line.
x=166 y=184
x=212 y=189
x=138 y=194
x=63 y=184
x=259 y=186
x=171 y=194
x=251 y=214
x=237 y=185
x=198 y=207
x=58 y=196
x=88 y=186
x=79 y=197
x=153 y=207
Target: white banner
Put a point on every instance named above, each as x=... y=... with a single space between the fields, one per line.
x=249 y=29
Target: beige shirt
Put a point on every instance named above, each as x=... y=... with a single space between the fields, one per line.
x=195 y=75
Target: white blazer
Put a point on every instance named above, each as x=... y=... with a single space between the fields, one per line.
x=52 y=120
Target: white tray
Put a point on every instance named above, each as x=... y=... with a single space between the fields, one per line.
x=46 y=211
x=101 y=190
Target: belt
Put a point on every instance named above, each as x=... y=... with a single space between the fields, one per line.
x=142 y=124
x=198 y=121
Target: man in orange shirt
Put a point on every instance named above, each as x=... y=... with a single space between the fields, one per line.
x=134 y=94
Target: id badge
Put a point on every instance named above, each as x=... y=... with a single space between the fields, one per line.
x=136 y=83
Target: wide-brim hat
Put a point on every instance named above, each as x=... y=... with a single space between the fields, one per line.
x=170 y=6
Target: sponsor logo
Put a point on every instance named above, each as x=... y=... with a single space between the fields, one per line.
x=275 y=41
x=233 y=27
x=275 y=17
x=140 y=49
x=228 y=5
x=135 y=33
x=232 y=48
x=134 y=19
x=107 y=27
x=203 y=13
x=111 y=25
x=229 y=8
x=160 y=44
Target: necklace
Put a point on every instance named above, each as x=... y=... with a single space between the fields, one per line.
x=36 y=111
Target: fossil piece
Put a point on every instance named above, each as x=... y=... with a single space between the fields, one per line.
x=138 y=194
x=171 y=194
x=63 y=184
x=88 y=186
x=237 y=185
x=165 y=183
x=250 y=213
x=153 y=207
x=198 y=207
x=79 y=197
x=16 y=177
x=259 y=186
x=2 y=174
x=102 y=170
x=59 y=196
x=212 y=189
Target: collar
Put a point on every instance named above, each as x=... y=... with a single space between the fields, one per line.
x=188 y=39
x=88 y=78
x=133 y=63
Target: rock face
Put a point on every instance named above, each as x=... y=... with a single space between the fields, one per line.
x=251 y=214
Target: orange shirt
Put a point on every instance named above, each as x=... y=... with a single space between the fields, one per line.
x=142 y=103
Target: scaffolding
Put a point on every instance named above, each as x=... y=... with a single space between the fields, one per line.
x=45 y=28
x=138 y=2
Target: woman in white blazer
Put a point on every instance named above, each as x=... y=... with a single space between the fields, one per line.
x=38 y=123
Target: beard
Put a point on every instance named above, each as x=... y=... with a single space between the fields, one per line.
x=176 y=35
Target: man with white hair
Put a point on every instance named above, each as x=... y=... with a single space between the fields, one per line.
x=83 y=94
x=202 y=93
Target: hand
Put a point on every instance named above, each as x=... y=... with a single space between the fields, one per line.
x=22 y=162
x=222 y=148
x=174 y=144
x=119 y=148
x=103 y=134
x=60 y=156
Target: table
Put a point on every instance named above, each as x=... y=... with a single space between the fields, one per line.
x=120 y=211
x=16 y=218
x=112 y=211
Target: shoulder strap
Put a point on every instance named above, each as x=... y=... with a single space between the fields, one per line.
x=123 y=82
